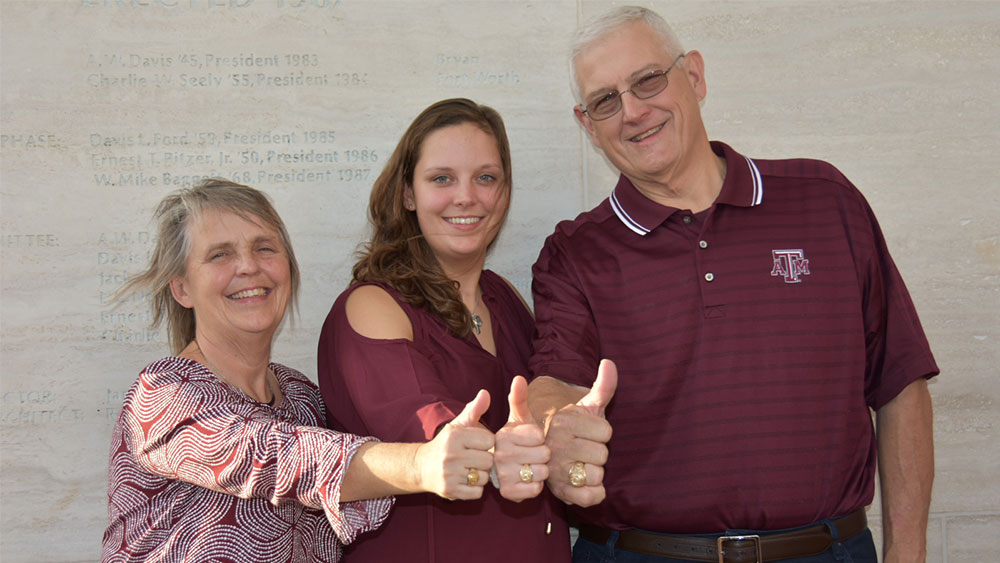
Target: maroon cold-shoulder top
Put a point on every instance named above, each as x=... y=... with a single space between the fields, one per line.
x=402 y=391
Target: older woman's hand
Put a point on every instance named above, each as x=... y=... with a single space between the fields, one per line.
x=457 y=462
x=521 y=456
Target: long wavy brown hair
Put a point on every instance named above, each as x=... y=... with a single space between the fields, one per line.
x=398 y=254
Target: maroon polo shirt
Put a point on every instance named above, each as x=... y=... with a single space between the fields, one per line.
x=751 y=341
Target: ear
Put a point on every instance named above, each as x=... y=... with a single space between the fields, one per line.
x=179 y=291
x=408 y=200
x=587 y=123
x=694 y=70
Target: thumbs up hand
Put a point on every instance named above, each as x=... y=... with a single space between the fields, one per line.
x=577 y=436
x=521 y=455
x=456 y=463
x=596 y=400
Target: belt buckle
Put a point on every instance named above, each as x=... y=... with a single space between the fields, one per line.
x=721 y=552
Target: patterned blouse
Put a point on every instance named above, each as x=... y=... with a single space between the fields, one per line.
x=201 y=472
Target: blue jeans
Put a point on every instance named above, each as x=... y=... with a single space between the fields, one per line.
x=859 y=549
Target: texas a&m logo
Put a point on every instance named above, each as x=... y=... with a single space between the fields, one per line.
x=790 y=264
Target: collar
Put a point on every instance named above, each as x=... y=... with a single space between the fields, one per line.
x=743 y=187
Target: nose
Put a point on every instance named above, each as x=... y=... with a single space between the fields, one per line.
x=248 y=264
x=465 y=193
x=632 y=107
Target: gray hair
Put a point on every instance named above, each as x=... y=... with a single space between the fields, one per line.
x=600 y=26
x=175 y=216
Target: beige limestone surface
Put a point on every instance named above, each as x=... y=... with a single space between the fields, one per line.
x=107 y=105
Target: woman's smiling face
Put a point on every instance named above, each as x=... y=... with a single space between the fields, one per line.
x=459 y=192
x=237 y=279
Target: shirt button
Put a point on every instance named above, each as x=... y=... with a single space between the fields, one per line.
x=703 y=244
x=687 y=219
x=548 y=528
x=709 y=277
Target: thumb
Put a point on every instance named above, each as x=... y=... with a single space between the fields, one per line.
x=604 y=388
x=473 y=410
x=518 y=401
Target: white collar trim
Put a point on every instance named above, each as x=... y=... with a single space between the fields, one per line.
x=758 y=184
x=756 y=197
x=626 y=218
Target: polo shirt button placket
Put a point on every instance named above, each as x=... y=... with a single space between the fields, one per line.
x=708 y=276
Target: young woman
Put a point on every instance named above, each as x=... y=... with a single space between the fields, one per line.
x=423 y=327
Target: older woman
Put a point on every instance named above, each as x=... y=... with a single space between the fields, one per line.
x=220 y=454
x=424 y=326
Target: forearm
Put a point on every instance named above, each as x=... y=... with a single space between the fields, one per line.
x=381 y=469
x=546 y=395
x=906 y=472
x=445 y=466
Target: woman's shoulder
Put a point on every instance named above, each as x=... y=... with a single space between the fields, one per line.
x=173 y=379
x=376 y=311
x=174 y=369
x=293 y=380
x=299 y=392
x=285 y=373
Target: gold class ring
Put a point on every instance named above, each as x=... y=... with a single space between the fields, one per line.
x=578 y=474
x=472 y=478
x=526 y=473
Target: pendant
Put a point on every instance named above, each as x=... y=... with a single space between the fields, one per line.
x=477 y=323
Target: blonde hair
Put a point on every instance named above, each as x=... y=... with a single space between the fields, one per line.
x=175 y=215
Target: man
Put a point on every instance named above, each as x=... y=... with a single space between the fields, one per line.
x=754 y=316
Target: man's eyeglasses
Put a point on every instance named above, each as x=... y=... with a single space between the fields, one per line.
x=646 y=87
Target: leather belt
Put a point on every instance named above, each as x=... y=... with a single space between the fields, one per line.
x=804 y=542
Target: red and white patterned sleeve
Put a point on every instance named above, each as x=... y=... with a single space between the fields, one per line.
x=185 y=427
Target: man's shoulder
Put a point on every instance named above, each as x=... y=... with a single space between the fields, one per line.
x=794 y=180
x=585 y=222
x=801 y=169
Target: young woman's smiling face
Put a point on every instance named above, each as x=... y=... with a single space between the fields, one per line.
x=459 y=193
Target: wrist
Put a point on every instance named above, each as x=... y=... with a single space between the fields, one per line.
x=417 y=454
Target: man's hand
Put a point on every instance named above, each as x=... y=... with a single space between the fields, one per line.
x=579 y=433
x=520 y=443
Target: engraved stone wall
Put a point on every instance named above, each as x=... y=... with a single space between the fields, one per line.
x=107 y=105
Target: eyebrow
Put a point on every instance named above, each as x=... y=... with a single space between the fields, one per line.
x=431 y=169
x=651 y=67
x=436 y=169
x=644 y=71
x=209 y=250
x=256 y=240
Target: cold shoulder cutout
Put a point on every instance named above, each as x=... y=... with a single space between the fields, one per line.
x=373 y=313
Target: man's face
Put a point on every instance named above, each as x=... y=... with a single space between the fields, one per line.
x=648 y=138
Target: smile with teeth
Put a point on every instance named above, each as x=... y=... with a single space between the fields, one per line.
x=463 y=220
x=642 y=136
x=255 y=292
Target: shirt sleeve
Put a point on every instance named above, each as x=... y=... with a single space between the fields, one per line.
x=388 y=388
x=896 y=349
x=567 y=344
x=187 y=430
